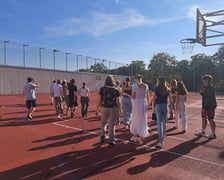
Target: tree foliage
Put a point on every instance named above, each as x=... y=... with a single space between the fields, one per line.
x=164 y=64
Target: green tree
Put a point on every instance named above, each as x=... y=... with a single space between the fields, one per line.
x=99 y=68
x=200 y=65
x=163 y=64
x=218 y=60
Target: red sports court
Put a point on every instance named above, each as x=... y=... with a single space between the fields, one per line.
x=46 y=148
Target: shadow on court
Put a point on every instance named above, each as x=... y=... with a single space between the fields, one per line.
x=221 y=155
x=77 y=164
x=162 y=158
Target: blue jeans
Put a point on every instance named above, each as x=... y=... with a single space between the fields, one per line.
x=85 y=105
x=161 y=116
x=127 y=109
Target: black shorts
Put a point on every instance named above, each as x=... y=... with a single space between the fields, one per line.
x=72 y=103
x=31 y=103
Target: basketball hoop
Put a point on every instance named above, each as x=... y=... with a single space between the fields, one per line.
x=187 y=45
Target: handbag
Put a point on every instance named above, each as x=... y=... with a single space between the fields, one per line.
x=154 y=116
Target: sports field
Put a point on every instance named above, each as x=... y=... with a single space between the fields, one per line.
x=48 y=148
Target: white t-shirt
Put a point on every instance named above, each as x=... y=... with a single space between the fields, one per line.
x=57 y=88
x=84 y=92
x=29 y=91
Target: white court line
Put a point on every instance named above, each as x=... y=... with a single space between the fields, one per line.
x=146 y=146
x=172 y=137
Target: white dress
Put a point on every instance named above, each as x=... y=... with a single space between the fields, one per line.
x=139 y=125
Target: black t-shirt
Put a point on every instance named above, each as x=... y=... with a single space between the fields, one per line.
x=173 y=90
x=72 y=88
x=208 y=97
x=108 y=96
x=128 y=91
x=160 y=98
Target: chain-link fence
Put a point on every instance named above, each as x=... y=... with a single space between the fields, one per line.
x=24 y=55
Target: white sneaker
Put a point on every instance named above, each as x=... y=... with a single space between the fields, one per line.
x=212 y=136
x=134 y=139
x=59 y=117
x=159 y=145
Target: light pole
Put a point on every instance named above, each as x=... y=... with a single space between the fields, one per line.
x=24 y=54
x=54 y=51
x=66 y=60
x=77 y=61
x=5 y=51
x=87 y=57
x=40 y=49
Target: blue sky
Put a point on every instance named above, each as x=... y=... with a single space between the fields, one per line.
x=116 y=30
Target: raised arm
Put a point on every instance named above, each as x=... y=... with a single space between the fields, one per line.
x=37 y=84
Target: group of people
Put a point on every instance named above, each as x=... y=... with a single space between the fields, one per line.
x=131 y=101
x=65 y=96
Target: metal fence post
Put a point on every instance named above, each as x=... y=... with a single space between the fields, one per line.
x=77 y=61
x=66 y=60
x=24 y=54
x=54 y=51
x=40 y=55
x=5 y=55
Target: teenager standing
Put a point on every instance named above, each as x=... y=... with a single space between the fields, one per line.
x=139 y=125
x=173 y=90
x=111 y=108
x=126 y=102
x=30 y=95
x=181 y=97
x=85 y=94
x=58 y=94
x=51 y=91
x=65 y=95
x=159 y=101
x=72 y=97
x=208 y=106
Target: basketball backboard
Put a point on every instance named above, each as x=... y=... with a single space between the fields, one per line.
x=209 y=31
x=200 y=29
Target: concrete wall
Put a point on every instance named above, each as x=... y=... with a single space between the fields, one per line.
x=12 y=79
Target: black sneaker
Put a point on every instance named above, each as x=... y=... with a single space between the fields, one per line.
x=72 y=114
x=102 y=139
x=29 y=117
x=111 y=143
x=200 y=134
